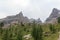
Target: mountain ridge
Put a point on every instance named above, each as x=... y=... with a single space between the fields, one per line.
x=18 y=18
x=53 y=16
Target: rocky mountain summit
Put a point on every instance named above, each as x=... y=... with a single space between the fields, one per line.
x=15 y=18
x=36 y=20
x=53 y=16
x=18 y=19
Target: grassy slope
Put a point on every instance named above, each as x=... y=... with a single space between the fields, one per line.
x=45 y=29
x=52 y=37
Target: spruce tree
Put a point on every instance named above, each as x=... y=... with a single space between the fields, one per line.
x=58 y=19
x=37 y=32
x=5 y=35
x=52 y=28
x=1 y=25
x=19 y=35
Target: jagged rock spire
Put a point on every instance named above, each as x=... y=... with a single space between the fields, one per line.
x=53 y=16
x=20 y=14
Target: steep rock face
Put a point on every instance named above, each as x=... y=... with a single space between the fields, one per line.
x=38 y=21
x=53 y=17
x=18 y=19
x=15 y=18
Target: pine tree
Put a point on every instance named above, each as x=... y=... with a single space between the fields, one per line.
x=58 y=19
x=52 y=28
x=5 y=35
x=1 y=25
x=37 y=32
x=40 y=33
x=19 y=35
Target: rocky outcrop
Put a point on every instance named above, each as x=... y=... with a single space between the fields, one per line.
x=18 y=19
x=38 y=21
x=15 y=18
x=53 y=17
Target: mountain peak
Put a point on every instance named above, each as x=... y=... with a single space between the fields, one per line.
x=55 y=14
x=20 y=13
x=55 y=10
x=18 y=18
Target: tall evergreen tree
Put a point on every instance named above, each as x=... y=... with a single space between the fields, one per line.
x=5 y=35
x=52 y=28
x=58 y=19
x=37 y=32
x=1 y=25
x=19 y=35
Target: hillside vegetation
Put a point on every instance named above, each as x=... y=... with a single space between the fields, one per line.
x=30 y=31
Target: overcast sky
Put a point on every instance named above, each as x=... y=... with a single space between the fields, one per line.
x=31 y=8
